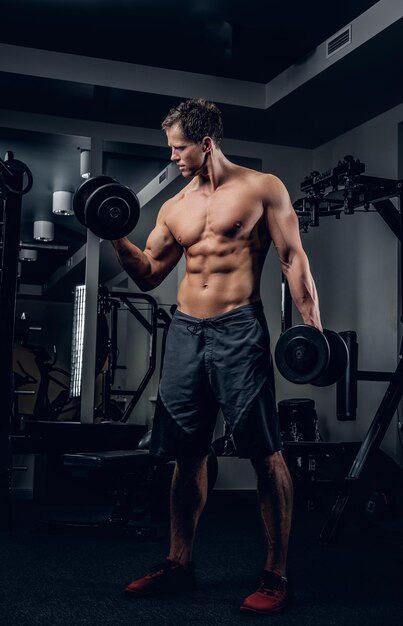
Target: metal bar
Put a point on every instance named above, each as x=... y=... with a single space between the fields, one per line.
x=157 y=184
x=319 y=448
x=91 y=305
x=376 y=376
x=389 y=214
x=114 y=339
x=314 y=211
x=39 y=246
x=8 y=289
x=43 y=246
x=152 y=364
x=139 y=316
x=371 y=442
x=165 y=324
x=106 y=393
x=346 y=389
x=286 y=305
x=76 y=259
x=90 y=329
x=400 y=204
x=376 y=181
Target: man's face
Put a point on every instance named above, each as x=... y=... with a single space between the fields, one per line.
x=190 y=157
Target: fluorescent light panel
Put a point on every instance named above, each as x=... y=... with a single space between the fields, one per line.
x=77 y=341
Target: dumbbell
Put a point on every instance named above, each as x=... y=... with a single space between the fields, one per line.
x=108 y=209
x=304 y=354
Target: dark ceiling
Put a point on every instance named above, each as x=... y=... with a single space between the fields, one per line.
x=252 y=40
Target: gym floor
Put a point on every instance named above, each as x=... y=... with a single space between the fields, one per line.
x=63 y=578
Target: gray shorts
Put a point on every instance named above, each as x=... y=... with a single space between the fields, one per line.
x=212 y=363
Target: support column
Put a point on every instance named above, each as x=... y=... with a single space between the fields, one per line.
x=91 y=303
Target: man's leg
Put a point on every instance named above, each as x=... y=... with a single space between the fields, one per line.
x=275 y=494
x=188 y=497
x=275 y=498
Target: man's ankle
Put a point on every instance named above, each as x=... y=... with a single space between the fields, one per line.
x=281 y=569
x=180 y=560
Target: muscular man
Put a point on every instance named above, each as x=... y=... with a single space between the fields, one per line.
x=217 y=352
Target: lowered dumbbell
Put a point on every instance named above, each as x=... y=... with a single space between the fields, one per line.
x=108 y=209
x=304 y=354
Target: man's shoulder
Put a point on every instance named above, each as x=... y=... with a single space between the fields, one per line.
x=268 y=187
x=257 y=177
x=268 y=184
x=268 y=179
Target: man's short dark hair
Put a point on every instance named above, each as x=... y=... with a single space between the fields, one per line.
x=198 y=118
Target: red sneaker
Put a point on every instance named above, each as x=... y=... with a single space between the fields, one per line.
x=272 y=595
x=167 y=577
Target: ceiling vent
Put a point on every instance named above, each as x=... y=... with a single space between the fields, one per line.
x=338 y=41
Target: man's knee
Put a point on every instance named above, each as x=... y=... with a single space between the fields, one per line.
x=270 y=464
x=191 y=464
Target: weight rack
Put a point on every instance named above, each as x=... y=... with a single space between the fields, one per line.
x=11 y=190
x=344 y=189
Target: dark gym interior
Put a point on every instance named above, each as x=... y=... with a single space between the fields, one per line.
x=311 y=92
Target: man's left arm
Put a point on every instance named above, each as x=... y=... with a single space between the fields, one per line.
x=283 y=226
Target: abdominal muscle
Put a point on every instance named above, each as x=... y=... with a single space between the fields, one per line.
x=216 y=284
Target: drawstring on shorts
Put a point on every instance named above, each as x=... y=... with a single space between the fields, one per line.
x=196 y=327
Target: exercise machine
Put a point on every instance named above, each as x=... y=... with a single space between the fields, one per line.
x=343 y=190
x=15 y=181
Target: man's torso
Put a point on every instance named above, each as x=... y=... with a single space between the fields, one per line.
x=225 y=239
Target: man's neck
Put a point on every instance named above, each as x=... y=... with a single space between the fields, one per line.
x=216 y=172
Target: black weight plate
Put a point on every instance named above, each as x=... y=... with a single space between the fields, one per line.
x=302 y=354
x=83 y=193
x=12 y=183
x=338 y=360
x=112 y=211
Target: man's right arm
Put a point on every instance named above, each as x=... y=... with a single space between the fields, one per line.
x=150 y=266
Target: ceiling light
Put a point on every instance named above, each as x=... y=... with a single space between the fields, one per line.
x=62 y=203
x=85 y=163
x=27 y=255
x=43 y=231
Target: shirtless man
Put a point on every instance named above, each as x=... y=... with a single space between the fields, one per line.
x=217 y=352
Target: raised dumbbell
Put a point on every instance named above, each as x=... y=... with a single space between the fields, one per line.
x=304 y=354
x=108 y=209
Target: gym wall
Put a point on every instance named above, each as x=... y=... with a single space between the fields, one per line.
x=354 y=261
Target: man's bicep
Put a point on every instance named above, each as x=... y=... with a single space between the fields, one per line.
x=162 y=248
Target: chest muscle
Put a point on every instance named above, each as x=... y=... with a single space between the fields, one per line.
x=222 y=216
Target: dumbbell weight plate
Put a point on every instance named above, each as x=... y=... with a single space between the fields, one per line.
x=112 y=211
x=337 y=362
x=83 y=193
x=302 y=354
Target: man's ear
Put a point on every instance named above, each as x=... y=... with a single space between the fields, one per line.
x=207 y=144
